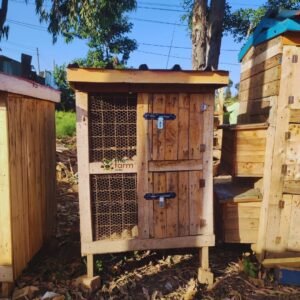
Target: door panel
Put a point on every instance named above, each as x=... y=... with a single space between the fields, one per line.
x=175 y=164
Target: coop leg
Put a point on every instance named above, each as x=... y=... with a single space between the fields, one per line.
x=204 y=274
x=90 y=265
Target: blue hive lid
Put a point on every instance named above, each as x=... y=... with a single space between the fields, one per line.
x=273 y=24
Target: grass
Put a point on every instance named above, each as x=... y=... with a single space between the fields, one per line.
x=65 y=124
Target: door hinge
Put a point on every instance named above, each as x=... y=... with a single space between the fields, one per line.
x=291 y=99
x=202 y=183
x=283 y=169
x=202 y=147
x=281 y=204
x=295 y=59
x=287 y=135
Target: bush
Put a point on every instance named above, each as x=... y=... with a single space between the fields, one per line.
x=65 y=123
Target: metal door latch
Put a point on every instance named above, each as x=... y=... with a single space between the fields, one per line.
x=161 y=118
x=161 y=197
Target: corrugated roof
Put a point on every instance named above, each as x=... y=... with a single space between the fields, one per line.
x=273 y=24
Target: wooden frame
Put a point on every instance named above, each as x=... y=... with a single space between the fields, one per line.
x=180 y=93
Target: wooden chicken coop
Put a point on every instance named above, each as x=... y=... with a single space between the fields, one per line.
x=27 y=173
x=266 y=142
x=145 y=159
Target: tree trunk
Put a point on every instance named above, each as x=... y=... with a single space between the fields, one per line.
x=199 y=30
x=3 y=13
x=214 y=33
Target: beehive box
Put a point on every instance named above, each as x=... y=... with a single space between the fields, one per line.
x=270 y=93
x=27 y=173
x=145 y=158
x=244 y=148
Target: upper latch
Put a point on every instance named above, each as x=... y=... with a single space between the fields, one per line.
x=160 y=118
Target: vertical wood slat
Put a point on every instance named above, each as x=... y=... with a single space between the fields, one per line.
x=195 y=140
x=279 y=153
x=160 y=214
x=207 y=173
x=183 y=153
x=150 y=174
x=144 y=206
x=171 y=153
x=159 y=179
x=5 y=211
x=83 y=167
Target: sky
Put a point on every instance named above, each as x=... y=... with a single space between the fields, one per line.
x=163 y=39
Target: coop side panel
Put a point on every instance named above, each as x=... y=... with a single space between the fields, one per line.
x=6 y=259
x=32 y=160
x=260 y=81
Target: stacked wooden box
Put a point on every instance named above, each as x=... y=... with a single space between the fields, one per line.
x=270 y=94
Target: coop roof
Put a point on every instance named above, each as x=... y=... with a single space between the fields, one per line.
x=21 y=86
x=133 y=80
x=275 y=23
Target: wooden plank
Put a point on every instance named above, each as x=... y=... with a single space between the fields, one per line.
x=83 y=167
x=195 y=127
x=291 y=38
x=172 y=204
x=275 y=47
x=146 y=77
x=16 y=85
x=107 y=246
x=159 y=213
x=272 y=231
x=175 y=166
x=293 y=241
x=287 y=262
x=158 y=150
x=248 y=169
x=142 y=165
x=266 y=65
x=183 y=203
x=245 y=236
x=150 y=174
x=183 y=126
x=207 y=193
x=266 y=90
x=171 y=128
x=249 y=223
x=261 y=79
x=291 y=187
x=5 y=211
x=295 y=116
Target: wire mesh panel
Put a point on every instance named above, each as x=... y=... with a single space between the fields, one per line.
x=112 y=138
x=112 y=126
x=114 y=206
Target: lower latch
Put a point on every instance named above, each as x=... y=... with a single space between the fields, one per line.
x=160 y=118
x=160 y=196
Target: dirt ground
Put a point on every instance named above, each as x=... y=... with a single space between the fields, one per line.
x=137 y=275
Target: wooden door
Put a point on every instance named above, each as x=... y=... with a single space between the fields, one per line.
x=170 y=160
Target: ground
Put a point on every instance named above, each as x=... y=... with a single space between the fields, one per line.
x=138 y=275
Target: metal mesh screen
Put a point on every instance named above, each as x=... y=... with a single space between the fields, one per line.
x=114 y=206
x=112 y=126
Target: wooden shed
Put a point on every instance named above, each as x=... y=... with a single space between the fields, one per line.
x=269 y=126
x=145 y=159
x=27 y=173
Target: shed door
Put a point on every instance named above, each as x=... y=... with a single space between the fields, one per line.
x=170 y=164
